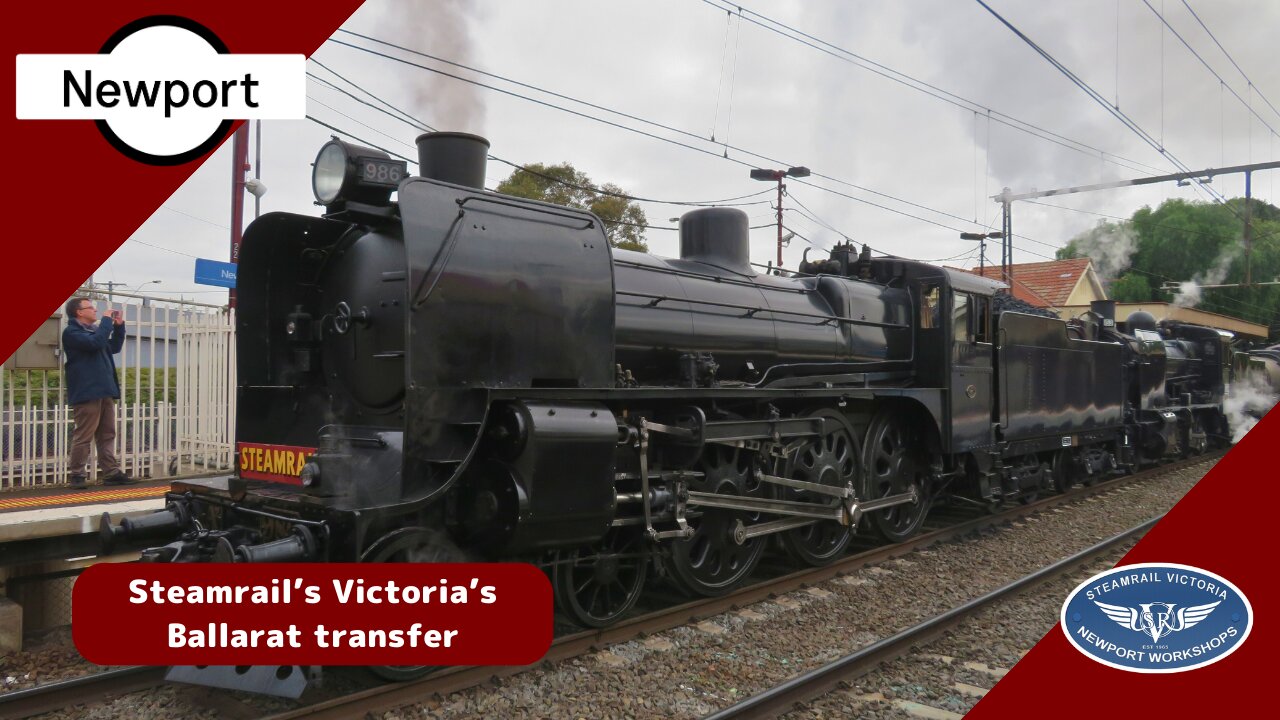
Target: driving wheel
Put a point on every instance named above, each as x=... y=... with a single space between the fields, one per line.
x=711 y=562
x=894 y=462
x=833 y=459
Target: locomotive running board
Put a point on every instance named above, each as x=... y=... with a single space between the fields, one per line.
x=847 y=513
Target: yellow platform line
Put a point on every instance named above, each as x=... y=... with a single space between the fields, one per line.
x=83 y=497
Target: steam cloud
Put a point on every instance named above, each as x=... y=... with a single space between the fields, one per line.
x=1190 y=293
x=1110 y=246
x=439 y=549
x=440 y=28
x=1249 y=400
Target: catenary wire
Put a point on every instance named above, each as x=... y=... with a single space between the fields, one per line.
x=901 y=78
x=628 y=116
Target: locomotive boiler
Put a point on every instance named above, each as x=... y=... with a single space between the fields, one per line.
x=456 y=373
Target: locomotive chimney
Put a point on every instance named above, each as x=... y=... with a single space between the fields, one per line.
x=1106 y=309
x=716 y=236
x=453 y=157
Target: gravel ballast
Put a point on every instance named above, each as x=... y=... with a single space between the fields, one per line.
x=690 y=671
x=694 y=670
x=946 y=679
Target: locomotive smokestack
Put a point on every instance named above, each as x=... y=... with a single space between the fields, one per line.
x=1106 y=309
x=453 y=157
x=717 y=236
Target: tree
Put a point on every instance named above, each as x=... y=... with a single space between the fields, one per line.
x=1192 y=242
x=562 y=184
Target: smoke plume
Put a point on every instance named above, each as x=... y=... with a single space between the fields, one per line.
x=440 y=28
x=1110 y=246
x=1250 y=398
x=1190 y=292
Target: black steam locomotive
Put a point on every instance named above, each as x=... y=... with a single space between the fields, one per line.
x=459 y=373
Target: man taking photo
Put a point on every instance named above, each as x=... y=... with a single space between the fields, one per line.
x=92 y=388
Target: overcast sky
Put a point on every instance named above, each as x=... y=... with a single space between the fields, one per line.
x=692 y=66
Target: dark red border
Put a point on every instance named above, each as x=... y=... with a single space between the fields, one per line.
x=1226 y=525
x=61 y=231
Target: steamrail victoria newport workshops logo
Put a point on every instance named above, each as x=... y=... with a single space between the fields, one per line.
x=1157 y=618
x=163 y=90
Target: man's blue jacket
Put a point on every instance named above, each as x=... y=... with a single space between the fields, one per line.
x=91 y=371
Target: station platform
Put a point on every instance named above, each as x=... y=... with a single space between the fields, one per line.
x=41 y=524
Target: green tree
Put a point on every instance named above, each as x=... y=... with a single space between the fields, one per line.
x=1185 y=241
x=1131 y=287
x=562 y=184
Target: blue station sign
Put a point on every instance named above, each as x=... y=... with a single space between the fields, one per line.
x=213 y=272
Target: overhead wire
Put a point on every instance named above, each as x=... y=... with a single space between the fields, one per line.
x=741 y=150
x=1206 y=65
x=621 y=222
x=406 y=118
x=1094 y=95
x=669 y=128
x=1233 y=60
x=924 y=87
x=628 y=116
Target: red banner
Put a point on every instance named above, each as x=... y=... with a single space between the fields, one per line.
x=312 y=614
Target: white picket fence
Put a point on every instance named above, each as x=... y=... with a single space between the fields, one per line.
x=177 y=410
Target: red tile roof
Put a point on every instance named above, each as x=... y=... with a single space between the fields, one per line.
x=1043 y=284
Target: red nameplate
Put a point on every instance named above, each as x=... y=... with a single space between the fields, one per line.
x=277 y=463
x=312 y=614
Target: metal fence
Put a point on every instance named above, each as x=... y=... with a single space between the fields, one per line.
x=177 y=407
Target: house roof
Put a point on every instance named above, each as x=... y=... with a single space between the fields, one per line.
x=1043 y=284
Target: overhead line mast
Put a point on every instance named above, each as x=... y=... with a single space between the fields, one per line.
x=1007 y=197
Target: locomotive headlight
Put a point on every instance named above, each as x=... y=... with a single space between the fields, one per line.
x=310 y=474
x=343 y=171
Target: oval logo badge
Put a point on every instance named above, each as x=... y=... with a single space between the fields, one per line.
x=1157 y=618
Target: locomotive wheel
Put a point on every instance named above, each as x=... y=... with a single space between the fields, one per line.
x=831 y=459
x=893 y=464
x=711 y=563
x=400 y=546
x=598 y=584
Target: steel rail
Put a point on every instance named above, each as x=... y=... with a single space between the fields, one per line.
x=78 y=690
x=822 y=680
x=388 y=697
x=93 y=688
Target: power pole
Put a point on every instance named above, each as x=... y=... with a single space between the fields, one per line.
x=239 y=166
x=111 y=286
x=1248 y=227
x=779 y=222
x=778 y=176
x=1006 y=244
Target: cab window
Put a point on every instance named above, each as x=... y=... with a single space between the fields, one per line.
x=981 y=318
x=930 y=311
x=960 y=316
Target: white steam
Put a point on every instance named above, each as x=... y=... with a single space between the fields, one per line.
x=439 y=548
x=440 y=28
x=1250 y=398
x=1110 y=246
x=1190 y=292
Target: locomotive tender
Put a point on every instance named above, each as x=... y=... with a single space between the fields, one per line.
x=462 y=374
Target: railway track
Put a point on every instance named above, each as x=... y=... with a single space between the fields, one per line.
x=94 y=688
x=83 y=690
x=822 y=680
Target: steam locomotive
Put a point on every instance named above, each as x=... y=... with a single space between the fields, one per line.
x=462 y=374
